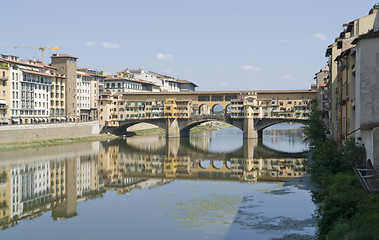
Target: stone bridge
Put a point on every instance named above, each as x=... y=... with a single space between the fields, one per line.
x=177 y=113
x=252 y=128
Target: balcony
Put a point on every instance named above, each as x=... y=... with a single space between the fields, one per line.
x=3 y=78
x=3 y=107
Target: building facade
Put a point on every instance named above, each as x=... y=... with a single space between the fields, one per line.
x=5 y=91
x=67 y=65
x=342 y=71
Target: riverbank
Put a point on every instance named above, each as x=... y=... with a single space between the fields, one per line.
x=346 y=211
x=20 y=144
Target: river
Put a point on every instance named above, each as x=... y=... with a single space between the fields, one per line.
x=214 y=185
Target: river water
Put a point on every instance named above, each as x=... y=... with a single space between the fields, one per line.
x=214 y=185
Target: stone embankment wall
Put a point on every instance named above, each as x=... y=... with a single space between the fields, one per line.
x=48 y=131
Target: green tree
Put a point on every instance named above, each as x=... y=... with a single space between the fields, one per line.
x=315 y=130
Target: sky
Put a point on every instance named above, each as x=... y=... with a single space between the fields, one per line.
x=217 y=44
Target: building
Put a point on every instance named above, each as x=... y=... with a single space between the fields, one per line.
x=58 y=98
x=342 y=71
x=322 y=78
x=96 y=87
x=5 y=91
x=127 y=84
x=83 y=96
x=161 y=82
x=352 y=84
x=67 y=65
x=29 y=91
x=366 y=92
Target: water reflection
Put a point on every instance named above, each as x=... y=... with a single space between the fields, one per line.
x=34 y=181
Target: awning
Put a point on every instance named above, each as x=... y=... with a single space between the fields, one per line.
x=16 y=120
x=45 y=119
x=39 y=119
x=3 y=101
x=1 y=120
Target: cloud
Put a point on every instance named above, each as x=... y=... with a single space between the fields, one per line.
x=320 y=36
x=110 y=45
x=251 y=68
x=89 y=44
x=165 y=57
x=287 y=77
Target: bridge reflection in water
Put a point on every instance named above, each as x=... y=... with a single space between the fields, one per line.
x=34 y=181
x=158 y=157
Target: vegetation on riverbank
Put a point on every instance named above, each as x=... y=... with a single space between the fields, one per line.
x=346 y=211
x=14 y=145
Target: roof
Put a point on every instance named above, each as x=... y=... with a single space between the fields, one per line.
x=23 y=63
x=51 y=67
x=62 y=56
x=128 y=79
x=38 y=73
x=83 y=74
x=135 y=70
x=189 y=82
x=366 y=36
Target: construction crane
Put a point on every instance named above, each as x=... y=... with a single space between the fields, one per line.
x=42 y=48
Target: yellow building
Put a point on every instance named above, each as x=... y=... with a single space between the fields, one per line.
x=5 y=93
x=169 y=108
x=108 y=113
x=57 y=98
x=5 y=195
x=58 y=179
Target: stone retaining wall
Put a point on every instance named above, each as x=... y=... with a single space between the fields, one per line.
x=46 y=131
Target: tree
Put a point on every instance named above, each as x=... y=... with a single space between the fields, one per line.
x=315 y=130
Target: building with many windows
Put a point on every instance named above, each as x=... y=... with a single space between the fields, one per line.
x=161 y=82
x=29 y=90
x=4 y=92
x=67 y=65
x=342 y=74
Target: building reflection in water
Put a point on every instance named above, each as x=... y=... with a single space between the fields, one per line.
x=34 y=181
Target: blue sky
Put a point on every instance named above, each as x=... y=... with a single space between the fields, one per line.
x=219 y=45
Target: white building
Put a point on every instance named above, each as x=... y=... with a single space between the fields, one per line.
x=30 y=90
x=161 y=82
x=30 y=186
x=128 y=84
x=366 y=92
x=83 y=95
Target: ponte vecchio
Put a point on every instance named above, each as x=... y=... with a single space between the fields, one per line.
x=178 y=112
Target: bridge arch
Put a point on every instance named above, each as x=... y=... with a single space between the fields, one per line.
x=123 y=125
x=217 y=164
x=265 y=123
x=228 y=108
x=204 y=109
x=204 y=164
x=184 y=131
x=218 y=109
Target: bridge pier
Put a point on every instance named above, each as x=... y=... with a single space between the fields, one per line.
x=249 y=130
x=172 y=130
